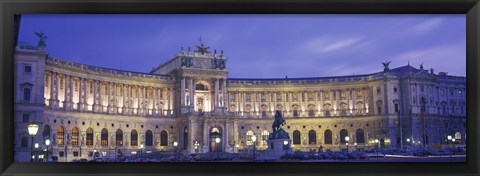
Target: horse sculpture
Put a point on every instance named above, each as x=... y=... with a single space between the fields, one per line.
x=279 y=121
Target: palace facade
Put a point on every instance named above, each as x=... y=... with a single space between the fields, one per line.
x=85 y=109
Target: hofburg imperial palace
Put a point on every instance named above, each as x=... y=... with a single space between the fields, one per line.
x=188 y=100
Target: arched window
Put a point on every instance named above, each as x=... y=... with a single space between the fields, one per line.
x=164 y=138
x=89 y=136
x=134 y=138
x=249 y=137
x=360 y=136
x=265 y=135
x=343 y=134
x=60 y=135
x=46 y=131
x=312 y=137
x=148 y=138
x=119 y=137
x=296 y=137
x=75 y=136
x=458 y=136
x=327 y=137
x=104 y=137
x=200 y=87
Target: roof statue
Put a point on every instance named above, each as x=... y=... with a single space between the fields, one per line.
x=421 y=66
x=41 y=43
x=202 y=48
x=385 y=66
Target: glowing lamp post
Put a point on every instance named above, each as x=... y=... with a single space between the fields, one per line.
x=346 y=143
x=175 y=144
x=141 y=152
x=285 y=146
x=47 y=143
x=254 y=139
x=376 y=146
x=217 y=141
x=36 y=149
x=32 y=131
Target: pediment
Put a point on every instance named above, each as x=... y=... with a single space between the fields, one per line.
x=423 y=75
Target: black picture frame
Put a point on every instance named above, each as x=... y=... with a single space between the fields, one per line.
x=10 y=9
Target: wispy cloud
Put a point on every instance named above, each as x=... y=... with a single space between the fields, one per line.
x=427 y=25
x=324 y=44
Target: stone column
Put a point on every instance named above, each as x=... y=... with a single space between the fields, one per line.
x=100 y=100
x=70 y=93
x=154 y=101
x=224 y=93
x=144 y=103
x=274 y=101
x=52 y=91
x=243 y=101
x=124 y=97
x=237 y=98
x=254 y=97
x=316 y=102
x=364 y=94
x=284 y=95
x=80 y=95
x=160 y=108
x=305 y=98
x=95 y=104
x=269 y=97
x=191 y=88
x=169 y=91
x=115 y=98
x=65 y=97
x=300 y=99
x=85 y=104
x=183 y=101
x=217 y=102
x=56 y=91
x=348 y=93
x=139 y=100
x=109 y=99
x=321 y=103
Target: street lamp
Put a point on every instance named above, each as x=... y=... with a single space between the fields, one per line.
x=36 y=151
x=355 y=144
x=376 y=146
x=254 y=139
x=47 y=143
x=346 y=143
x=141 y=152
x=175 y=144
x=285 y=146
x=196 y=146
x=217 y=141
x=32 y=131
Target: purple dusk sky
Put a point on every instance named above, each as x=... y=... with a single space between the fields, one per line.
x=259 y=46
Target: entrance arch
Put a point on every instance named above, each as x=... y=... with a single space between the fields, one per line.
x=215 y=133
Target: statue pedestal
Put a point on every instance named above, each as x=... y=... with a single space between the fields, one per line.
x=276 y=148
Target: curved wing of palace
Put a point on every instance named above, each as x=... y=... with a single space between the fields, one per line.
x=84 y=109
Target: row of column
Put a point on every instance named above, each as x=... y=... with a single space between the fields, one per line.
x=160 y=103
x=188 y=99
x=319 y=100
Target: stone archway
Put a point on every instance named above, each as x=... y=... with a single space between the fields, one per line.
x=215 y=132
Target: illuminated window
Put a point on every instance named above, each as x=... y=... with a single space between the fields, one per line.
x=104 y=137
x=89 y=137
x=328 y=137
x=134 y=138
x=75 y=136
x=312 y=137
x=119 y=137
x=149 y=138
x=60 y=135
x=164 y=138
x=249 y=137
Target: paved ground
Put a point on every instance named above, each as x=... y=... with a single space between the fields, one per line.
x=458 y=158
